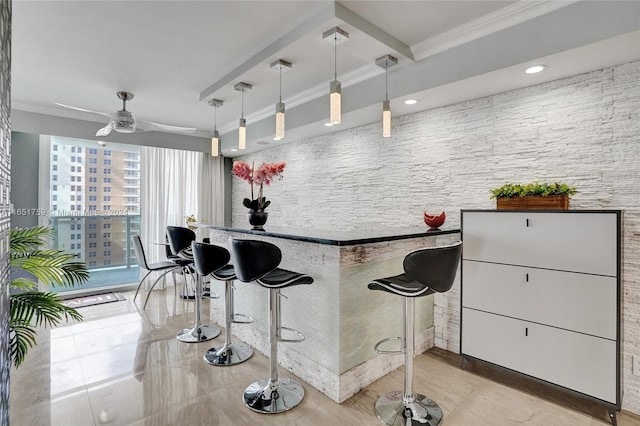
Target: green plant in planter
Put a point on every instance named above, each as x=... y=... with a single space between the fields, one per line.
x=30 y=308
x=510 y=190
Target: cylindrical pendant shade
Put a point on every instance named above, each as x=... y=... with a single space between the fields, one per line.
x=279 y=121
x=242 y=134
x=386 y=119
x=215 y=144
x=335 y=102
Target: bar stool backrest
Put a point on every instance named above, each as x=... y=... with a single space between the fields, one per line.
x=434 y=267
x=137 y=247
x=179 y=238
x=253 y=259
x=208 y=258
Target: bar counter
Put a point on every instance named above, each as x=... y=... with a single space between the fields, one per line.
x=340 y=318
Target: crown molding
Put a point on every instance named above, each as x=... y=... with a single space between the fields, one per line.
x=506 y=17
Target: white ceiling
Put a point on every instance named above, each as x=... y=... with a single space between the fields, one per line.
x=175 y=55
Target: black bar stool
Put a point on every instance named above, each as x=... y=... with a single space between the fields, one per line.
x=180 y=240
x=427 y=271
x=207 y=259
x=258 y=261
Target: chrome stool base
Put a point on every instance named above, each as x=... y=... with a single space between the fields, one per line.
x=202 y=333
x=232 y=354
x=392 y=411
x=261 y=398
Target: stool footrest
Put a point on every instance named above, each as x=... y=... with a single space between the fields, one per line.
x=241 y=319
x=399 y=351
x=210 y=295
x=298 y=340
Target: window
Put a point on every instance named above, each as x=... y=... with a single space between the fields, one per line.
x=93 y=161
x=79 y=227
x=93 y=179
x=79 y=169
x=93 y=170
x=106 y=189
x=73 y=187
x=106 y=207
x=78 y=236
x=55 y=147
x=106 y=235
x=92 y=263
x=106 y=244
x=54 y=207
x=92 y=189
x=78 y=197
x=54 y=178
x=73 y=159
x=73 y=236
x=92 y=245
x=106 y=198
x=106 y=162
x=92 y=198
x=73 y=168
x=73 y=178
x=106 y=180
x=79 y=159
x=92 y=254
x=54 y=187
x=93 y=151
x=79 y=150
x=107 y=152
x=79 y=187
x=54 y=197
x=73 y=246
x=54 y=167
x=106 y=253
x=79 y=246
x=92 y=207
x=107 y=262
x=73 y=149
x=73 y=226
x=73 y=207
x=92 y=235
x=79 y=178
x=106 y=171
x=106 y=226
x=73 y=198
x=93 y=225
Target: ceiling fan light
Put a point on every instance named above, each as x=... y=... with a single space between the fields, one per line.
x=335 y=101
x=279 y=121
x=386 y=119
x=242 y=134
x=215 y=144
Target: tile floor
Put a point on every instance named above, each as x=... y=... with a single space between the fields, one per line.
x=121 y=366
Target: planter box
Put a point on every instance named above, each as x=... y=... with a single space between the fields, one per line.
x=533 y=202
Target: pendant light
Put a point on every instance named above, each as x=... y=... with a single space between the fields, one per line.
x=280 y=65
x=335 y=36
x=385 y=62
x=215 y=139
x=242 y=128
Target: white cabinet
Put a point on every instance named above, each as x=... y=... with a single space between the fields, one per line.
x=540 y=295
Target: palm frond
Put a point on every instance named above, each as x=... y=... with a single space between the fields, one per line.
x=53 y=267
x=22 y=337
x=23 y=284
x=38 y=308
x=24 y=240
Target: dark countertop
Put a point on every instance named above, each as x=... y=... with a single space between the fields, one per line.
x=336 y=238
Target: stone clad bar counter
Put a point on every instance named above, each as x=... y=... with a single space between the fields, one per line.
x=340 y=319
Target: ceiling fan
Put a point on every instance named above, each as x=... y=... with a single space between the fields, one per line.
x=124 y=121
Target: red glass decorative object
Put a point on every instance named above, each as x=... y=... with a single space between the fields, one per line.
x=434 y=221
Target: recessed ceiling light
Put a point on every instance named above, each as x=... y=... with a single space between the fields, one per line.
x=411 y=102
x=535 y=69
x=328 y=124
x=233 y=150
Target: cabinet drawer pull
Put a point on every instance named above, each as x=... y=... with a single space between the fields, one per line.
x=526 y=331
x=527 y=222
x=526 y=277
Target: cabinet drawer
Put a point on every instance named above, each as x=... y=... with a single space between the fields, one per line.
x=578 y=302
x=580 y=242
x=583 y=363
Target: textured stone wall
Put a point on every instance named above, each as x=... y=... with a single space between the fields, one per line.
x=5 y=204
x=583 y=130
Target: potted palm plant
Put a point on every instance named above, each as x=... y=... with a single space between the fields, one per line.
x=30 y=308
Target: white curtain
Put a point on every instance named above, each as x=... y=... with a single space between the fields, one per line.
x=176 y=184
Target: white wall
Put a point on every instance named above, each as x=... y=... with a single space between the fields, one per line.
x=583 y=130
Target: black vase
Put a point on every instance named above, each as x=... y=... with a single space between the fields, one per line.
x=257 y=219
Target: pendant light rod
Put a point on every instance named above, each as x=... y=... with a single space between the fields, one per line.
x=335 y=36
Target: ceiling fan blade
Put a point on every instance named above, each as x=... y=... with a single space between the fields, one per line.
x=150 y=125
x=105 y=114
x=105 y=130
